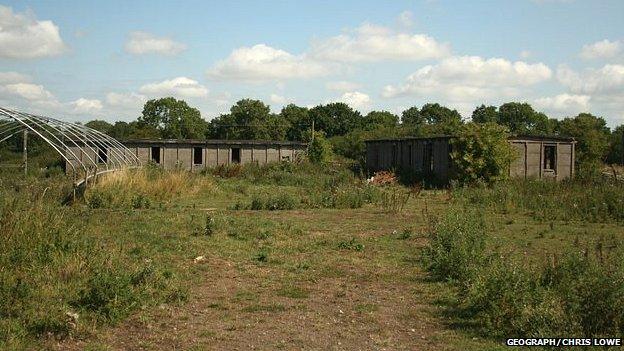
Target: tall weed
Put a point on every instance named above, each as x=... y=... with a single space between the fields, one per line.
x=595 y=200
x=579 y=294
x=140 y=188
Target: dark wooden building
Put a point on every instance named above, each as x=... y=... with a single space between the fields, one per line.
x=538 y=157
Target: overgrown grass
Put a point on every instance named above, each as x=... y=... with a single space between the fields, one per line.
x=576 y=293
x=55 y=280
x=596 y=200
x=143 y=188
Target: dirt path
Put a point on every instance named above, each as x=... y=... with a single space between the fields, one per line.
x=368 y=299
x=338 y=314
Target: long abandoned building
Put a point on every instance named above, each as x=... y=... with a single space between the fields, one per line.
x=195 y=155
x=538 y=157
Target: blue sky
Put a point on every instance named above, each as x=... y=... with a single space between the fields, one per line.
x=80 y=60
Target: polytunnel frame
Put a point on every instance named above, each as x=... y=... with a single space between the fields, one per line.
x=74 y=142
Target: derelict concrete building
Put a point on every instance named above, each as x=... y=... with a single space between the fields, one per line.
x=538 y=157
x=195 y=155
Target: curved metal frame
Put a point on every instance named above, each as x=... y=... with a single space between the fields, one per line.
x=77 y=144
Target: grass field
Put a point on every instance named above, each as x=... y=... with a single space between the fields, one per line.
x=280 y=257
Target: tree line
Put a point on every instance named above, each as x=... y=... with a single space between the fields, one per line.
x=346 y=128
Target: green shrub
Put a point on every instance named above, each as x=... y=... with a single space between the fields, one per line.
x=98 y=199
x=508 y=301
x=140 y=201
x=50 y=270
x=481 y=152
x=456 y=246
x=580 y=294
x=319 y=150
x=109 y=295
x=343 y=196
x=592 y=291
x=280 y=201
x=261 y=256
x=351 y=244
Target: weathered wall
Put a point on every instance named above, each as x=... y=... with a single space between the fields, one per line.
x=180 y=155
x=185 y=158
x=529 y=163
x=410 y=154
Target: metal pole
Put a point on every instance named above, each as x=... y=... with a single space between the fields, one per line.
x=312 y=130
x=25 y=150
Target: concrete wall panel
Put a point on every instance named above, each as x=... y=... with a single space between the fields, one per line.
x=259 y=154
x=272 y=154
x=170 y=157
x=185 y=158
x=211 y=156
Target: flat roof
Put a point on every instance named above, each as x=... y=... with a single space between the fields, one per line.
x=543 y=137
x=513 y=137
x=209 y=142
x=411 y=138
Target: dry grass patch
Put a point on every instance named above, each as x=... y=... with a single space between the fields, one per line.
x=142 y=187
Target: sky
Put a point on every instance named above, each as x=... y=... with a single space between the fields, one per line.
x=82 y=60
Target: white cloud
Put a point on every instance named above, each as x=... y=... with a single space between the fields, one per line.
x=568 y=104
x=355 y=99
x=601 y=49
x=471 y=78
x=278 y=99
x=406 y=19
x=179 y=87
x=141 y=43
x=86 y=106
x=370 y=43
x=608 y=79
x=604 y=85
x=342 y=86
x=23 y=36
x=28 y=91
x=13 y=77
x=128 y=100
x=125 y=104
x=262 y=62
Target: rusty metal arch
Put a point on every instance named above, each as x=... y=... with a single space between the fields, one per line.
x=78 y=145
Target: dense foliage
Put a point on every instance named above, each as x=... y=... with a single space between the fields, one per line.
x=481 y=152
x=319 y=150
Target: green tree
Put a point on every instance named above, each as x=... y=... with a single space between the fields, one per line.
x=521 y=118
x=380 y=119
x=592 y=136
x=298 y=119
x=250 y=120
x=485 y=114
x=412 y=117
x=336 y=118
x=99 y=125
x=440 y=119
x=319 y=149
x=173 y=119
x=434 y=113
x=481 y=152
